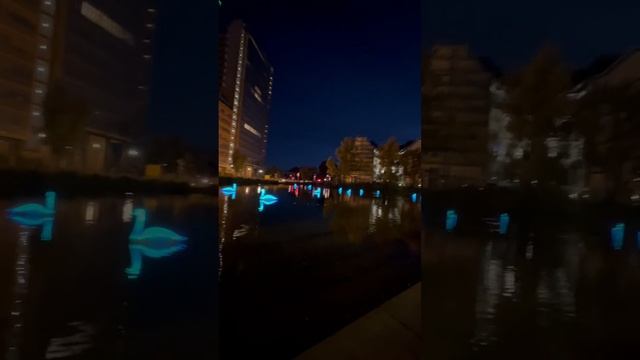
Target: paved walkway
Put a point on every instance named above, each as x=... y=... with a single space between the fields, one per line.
x=392 y=331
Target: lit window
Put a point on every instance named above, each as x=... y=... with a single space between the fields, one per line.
x=252 y=130
x=101 y=19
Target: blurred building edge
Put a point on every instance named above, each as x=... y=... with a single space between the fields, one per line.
x=246 y=83
x=456 y=104
x=100 y=53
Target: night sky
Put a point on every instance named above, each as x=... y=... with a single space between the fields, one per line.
x=509 y=32
x=341 y=68
x=184 y=87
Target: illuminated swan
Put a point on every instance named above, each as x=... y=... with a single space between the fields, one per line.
x=266 y=198
x=229 y=190
x=361 y=192
x=377 y=193
x=316 y=192
x=414 y=197
x=340 y=190
x=348 y=192
x=34 y=214
x=151 y=233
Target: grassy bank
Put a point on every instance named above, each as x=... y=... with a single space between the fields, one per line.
x=30 y=183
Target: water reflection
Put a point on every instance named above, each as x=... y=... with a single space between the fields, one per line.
x=617 y=236
x=451 y=220
x=309 y=252
x=550 y=283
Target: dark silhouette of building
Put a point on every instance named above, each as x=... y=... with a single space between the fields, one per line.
x=103 y=55
x=456 y=103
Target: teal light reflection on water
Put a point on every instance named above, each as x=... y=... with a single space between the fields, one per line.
x=34 y=215
x=503 y=224
x=617 y=236
x=414 y=197
x=154 y=242
x=451 y=220
x=340 y=191
x=348 y=192
x=377 y=193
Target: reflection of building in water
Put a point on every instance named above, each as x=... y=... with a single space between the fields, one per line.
x=488 y=296
x=72 y=345
x=20 y=289
x=90 y=212
x=127 y=210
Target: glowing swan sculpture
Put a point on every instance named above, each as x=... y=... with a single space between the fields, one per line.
x=348 y=192
x=152 y=233
x=316 y=192
x=377 y=193
x=503 y=226
x=266 y=198
x=230 y=190
x=34 y=214
x=361 y=192
x=414 y=197
x=340 y=190
x=617 y=236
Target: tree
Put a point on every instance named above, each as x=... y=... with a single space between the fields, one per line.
x=238 y=160
x=389 y=155
x=346 y=157
x=65 y=119
x=537 y=101
x=332 y=169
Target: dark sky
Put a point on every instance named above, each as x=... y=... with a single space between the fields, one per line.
x=184 y=84
x=341 y=68
x=509 y=32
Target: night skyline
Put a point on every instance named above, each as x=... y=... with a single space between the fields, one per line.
x=509 y=33
x=340 y=69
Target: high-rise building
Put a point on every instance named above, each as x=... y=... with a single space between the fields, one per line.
x=102 y=56
x=98 y=51
x=246 y=85
x=26 y=31
x=456 y=104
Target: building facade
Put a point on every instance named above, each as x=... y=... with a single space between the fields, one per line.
x=363 y=157
x=26 y=31
x=99 y=52
x=225 y=139
x=103 y=56
x=455 y=117
x=246 y=85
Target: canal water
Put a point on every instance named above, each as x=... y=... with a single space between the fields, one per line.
x=82 y=284
x=538 y=284
x=297 y=270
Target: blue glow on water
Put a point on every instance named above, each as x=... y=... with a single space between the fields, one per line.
x=617 y=236
x=47 y=230
x=377 y=193
x=361 y=192
x=262 y=203
x=267 y=197
x=152 y=233
x=309 y=187
x=414 y=197
x=295 y=186
x=504 y=223
x=348 y=192
x=451 y=220
x=33 y=215
x=154 y=250
x=230 y=190
x=316 y=193
x=340 y=191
